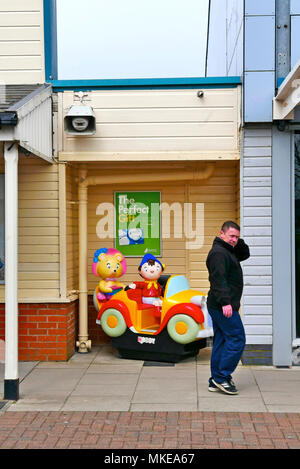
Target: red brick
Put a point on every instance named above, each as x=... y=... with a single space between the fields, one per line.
x=31 y=325
x=61 y=338
x=41 y=324
x=57 y=331
x=30 y=311
x=46 y=339
x=37 y=331
x=57 y=319
x=46 y=325
x=27 y=339
x=36 y=318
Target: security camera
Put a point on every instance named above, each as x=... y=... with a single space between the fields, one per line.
x=80 y=120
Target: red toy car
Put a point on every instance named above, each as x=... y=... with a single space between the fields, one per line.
x=169 y=333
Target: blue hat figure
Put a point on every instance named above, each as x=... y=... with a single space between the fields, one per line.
x=147 y=257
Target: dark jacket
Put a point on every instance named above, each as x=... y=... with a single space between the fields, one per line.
x=225 y=273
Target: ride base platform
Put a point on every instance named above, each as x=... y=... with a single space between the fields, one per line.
x=160 y=348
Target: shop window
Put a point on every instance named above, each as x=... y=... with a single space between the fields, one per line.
x=132 y=39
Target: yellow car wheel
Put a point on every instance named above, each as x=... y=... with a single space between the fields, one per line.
x=182 y=328
x=113 y=323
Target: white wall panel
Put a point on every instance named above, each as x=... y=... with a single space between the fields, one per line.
x=256 y=225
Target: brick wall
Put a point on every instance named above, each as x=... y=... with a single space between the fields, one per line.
x=47 y=332
x=255 y=354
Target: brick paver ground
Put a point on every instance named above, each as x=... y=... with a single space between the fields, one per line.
x=149 y=430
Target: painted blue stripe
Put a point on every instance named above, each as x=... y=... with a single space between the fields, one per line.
x=147 y=82
x=169 y=87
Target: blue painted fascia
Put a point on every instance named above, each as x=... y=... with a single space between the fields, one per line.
x=210 y=82
x=50 y=39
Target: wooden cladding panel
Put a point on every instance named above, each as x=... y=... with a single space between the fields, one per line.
x=22 y=42
x=72 y=241
x=38 y=250
x=159 y=120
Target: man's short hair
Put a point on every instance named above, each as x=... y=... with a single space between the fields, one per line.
x=230 y=224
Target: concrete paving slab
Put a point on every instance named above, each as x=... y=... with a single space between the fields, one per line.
x=161 y=395
x=116 y=368
x=104 y=390
x=108 y=354
x=226 y=403
x=282 y=398
x=170 y=373
x=44 y=380
x=80 y=403
x=39 y=404
x=186 y=363
x=286 y=386
x=78 y=360
x=108 y=379
x=246 y=383
x=40 y=401
x=164 y=385
x=63 y=365
x=283 y=408
x=164 y=407
x=276 y=375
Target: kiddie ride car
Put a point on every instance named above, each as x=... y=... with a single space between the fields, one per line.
x=176 y=330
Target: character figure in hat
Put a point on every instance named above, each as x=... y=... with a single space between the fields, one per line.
x=150 y=269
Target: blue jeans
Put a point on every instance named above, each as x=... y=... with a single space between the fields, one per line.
x=228 y=344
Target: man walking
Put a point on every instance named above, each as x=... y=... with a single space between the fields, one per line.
x=223 y=302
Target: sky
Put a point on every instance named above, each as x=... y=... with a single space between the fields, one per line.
x=120 y=39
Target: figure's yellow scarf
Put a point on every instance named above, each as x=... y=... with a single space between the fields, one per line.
x=150 y=283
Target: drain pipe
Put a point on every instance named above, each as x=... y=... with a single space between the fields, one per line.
x=190 y=175
x=11 y=375
x=83 y=343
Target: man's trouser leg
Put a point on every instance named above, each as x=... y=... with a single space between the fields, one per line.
x=228 y=345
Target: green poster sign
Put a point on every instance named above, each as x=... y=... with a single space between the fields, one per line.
x=138 y=223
